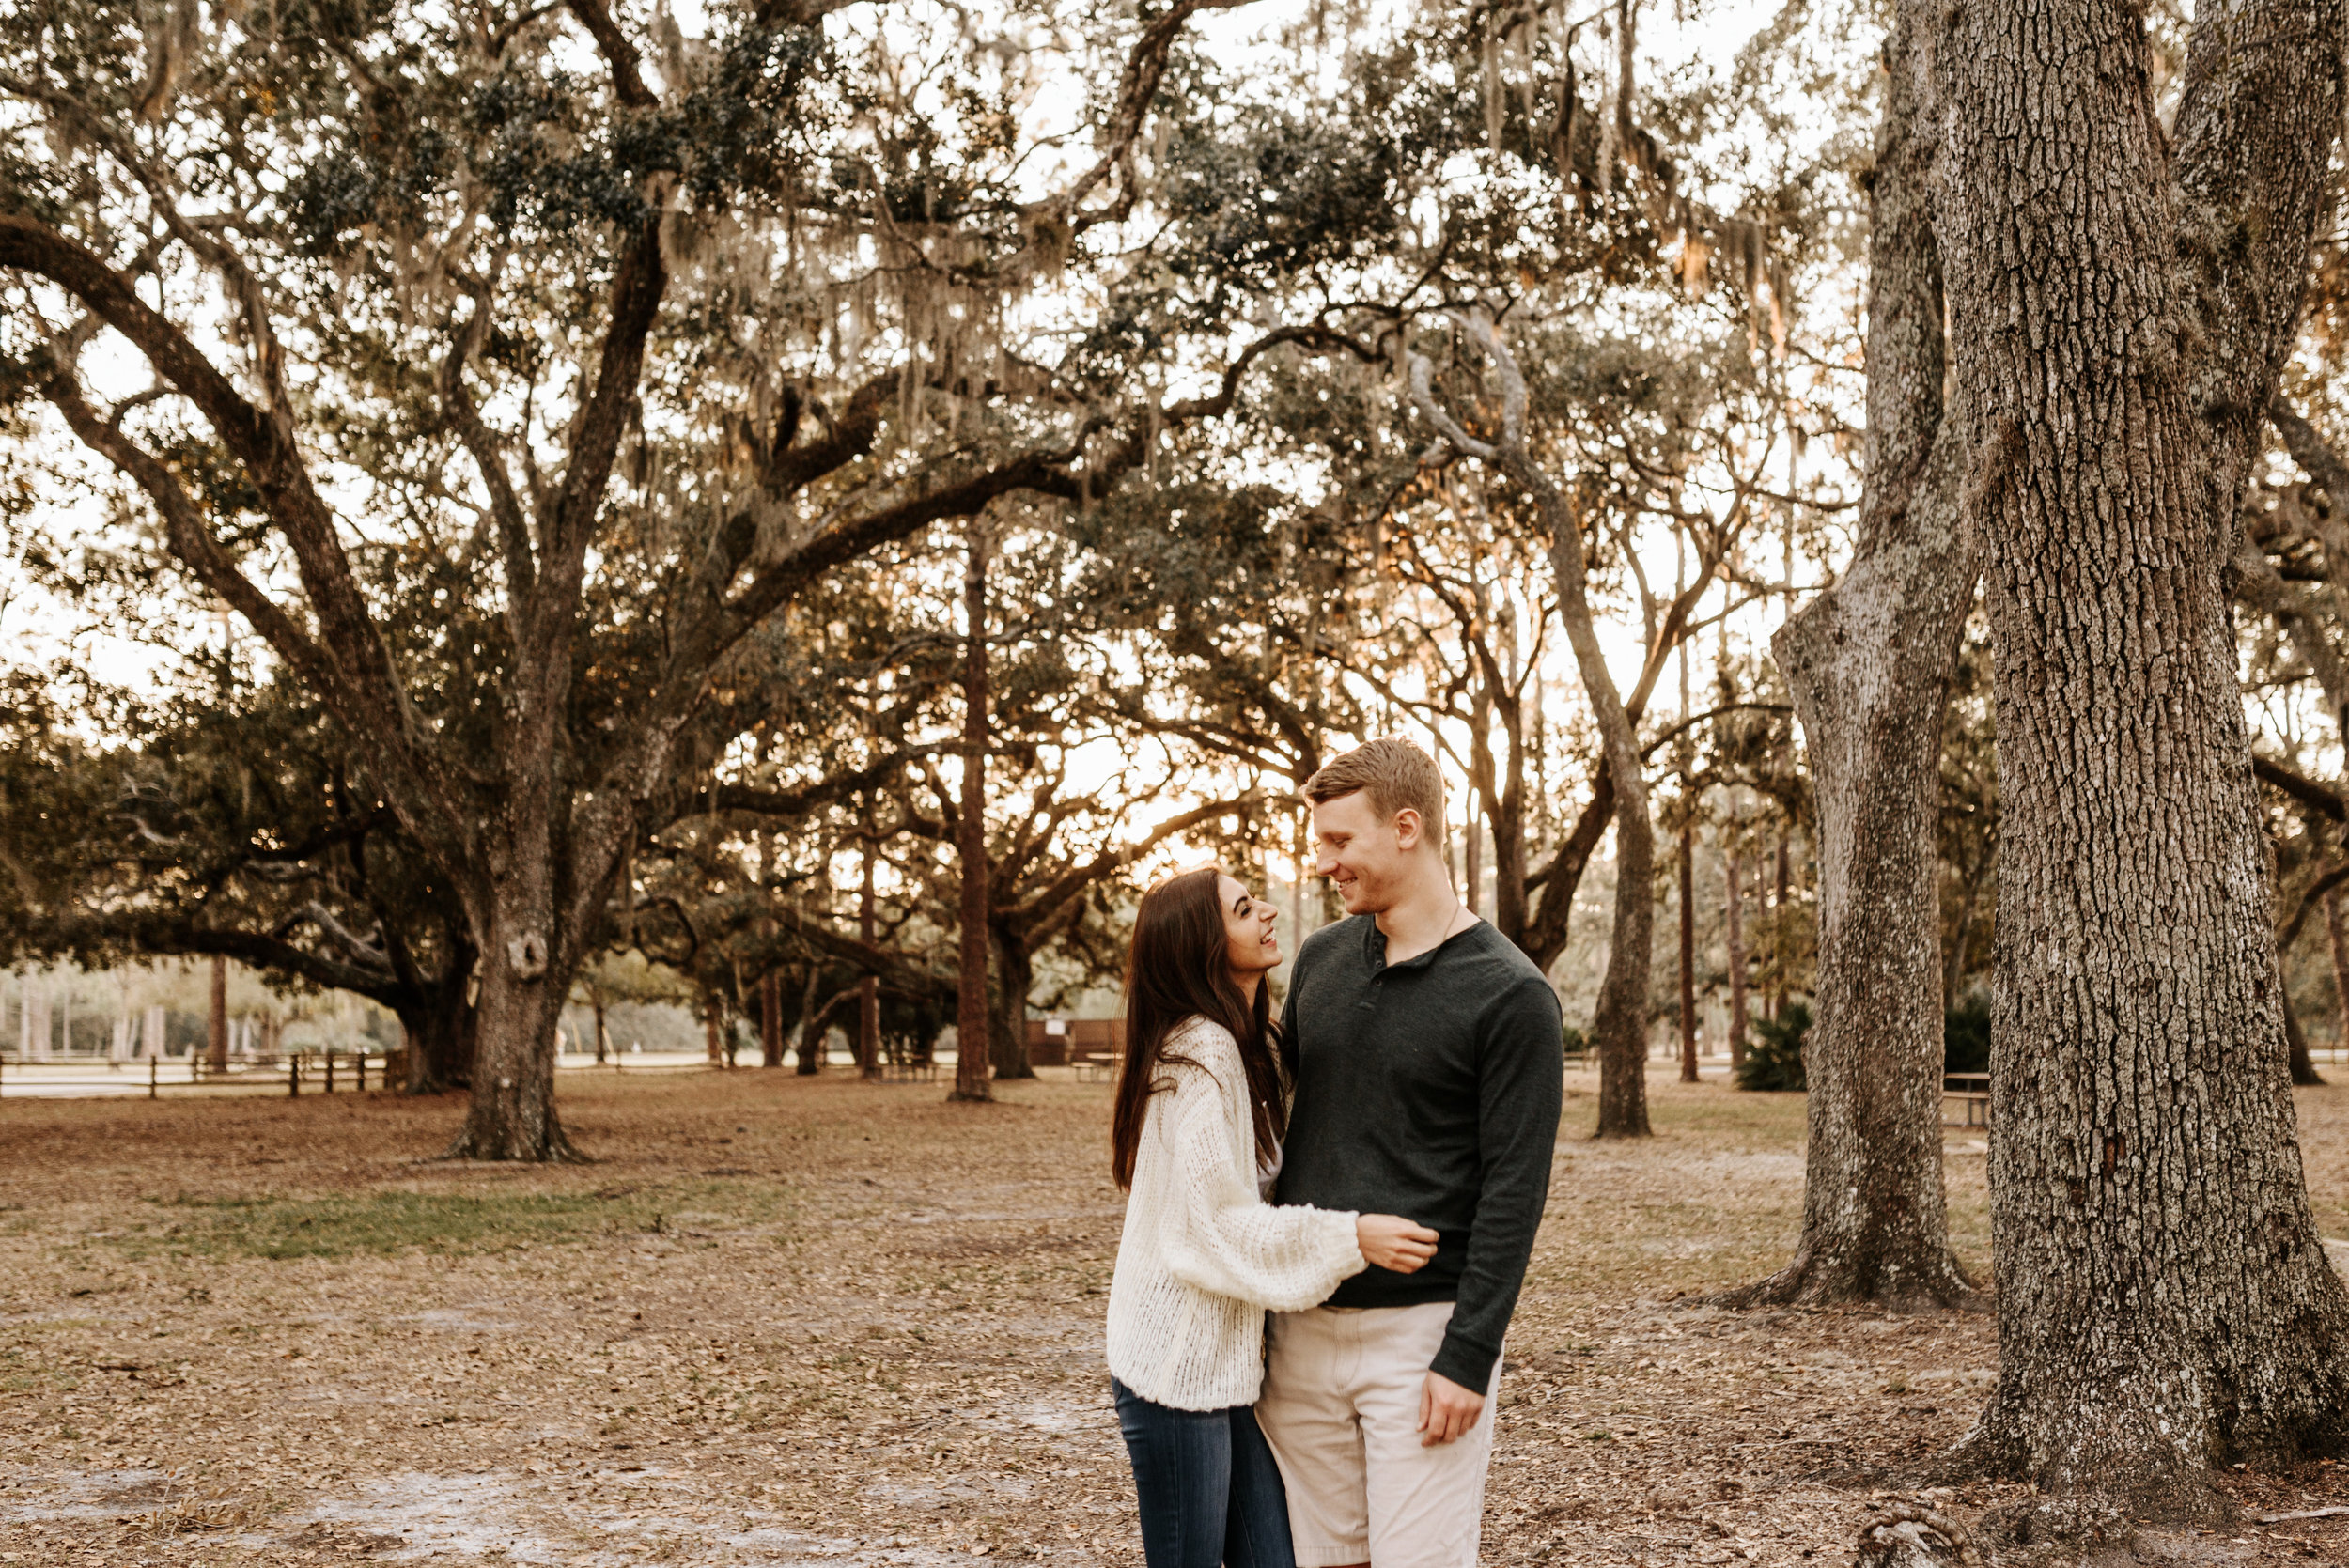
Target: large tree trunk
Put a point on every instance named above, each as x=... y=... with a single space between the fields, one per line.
x=512 y=1114
x=1869 y=662
x=2165 y=1303
x=970 y=1001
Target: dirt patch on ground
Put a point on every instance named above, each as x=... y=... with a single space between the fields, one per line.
x=785 y=1321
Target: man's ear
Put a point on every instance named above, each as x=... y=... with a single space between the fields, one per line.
x=1407 y=829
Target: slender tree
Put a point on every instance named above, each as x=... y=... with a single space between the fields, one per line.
x=1869 y=662
x=1618 y=1030
x=973 y=1064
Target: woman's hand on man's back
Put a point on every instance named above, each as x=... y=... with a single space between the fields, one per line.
x=1391 y=1242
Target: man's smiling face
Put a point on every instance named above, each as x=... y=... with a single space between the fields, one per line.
x=1366 y=855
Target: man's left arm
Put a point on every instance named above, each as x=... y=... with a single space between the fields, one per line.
x=1520 y=1080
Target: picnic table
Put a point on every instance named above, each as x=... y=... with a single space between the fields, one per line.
x=1972 y=1090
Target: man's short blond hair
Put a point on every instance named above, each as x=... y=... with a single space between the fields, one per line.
x=1396 y=775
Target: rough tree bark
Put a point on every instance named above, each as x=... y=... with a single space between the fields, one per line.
x=1869 y=662
x=2117 y=318
x=972 y=1060
x=1618 y=1030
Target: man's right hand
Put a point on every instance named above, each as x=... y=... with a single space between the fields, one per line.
x=1393 y=1243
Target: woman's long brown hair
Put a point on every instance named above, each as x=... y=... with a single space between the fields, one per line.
x=1180 y=969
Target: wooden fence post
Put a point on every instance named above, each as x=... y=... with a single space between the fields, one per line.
x=293 y=1075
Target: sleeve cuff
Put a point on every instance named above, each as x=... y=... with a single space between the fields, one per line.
x=1469 y=1366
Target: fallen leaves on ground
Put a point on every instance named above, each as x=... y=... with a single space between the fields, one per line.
x=782 y=1320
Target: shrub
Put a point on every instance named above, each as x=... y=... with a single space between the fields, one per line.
x=1774 y=1061
x=1966 y=1036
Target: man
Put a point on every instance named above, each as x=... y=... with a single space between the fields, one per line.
x=1428 y=1061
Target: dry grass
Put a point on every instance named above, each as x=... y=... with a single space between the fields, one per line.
x=784 y=1320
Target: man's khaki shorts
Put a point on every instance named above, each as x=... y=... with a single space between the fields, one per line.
x=1341 y=1409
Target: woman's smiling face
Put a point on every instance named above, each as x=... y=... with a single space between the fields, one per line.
x=1249 y=940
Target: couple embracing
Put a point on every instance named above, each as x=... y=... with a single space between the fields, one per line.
x=1326 y=1222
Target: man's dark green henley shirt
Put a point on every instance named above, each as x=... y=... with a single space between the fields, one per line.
x=1427 y=1089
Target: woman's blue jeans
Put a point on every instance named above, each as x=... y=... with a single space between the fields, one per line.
x=1210 y=1490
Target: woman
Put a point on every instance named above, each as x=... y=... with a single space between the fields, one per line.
x=1196 y=1142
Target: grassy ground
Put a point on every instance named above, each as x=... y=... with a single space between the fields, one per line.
x=782 y=1320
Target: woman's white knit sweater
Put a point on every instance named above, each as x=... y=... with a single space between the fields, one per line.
x=1204 y=1255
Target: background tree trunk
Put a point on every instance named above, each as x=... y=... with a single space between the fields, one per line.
x=970 y=1009
x=868 y=1043
x=441 y=1029
x=1734 y=919
x=2301 y=1065
x=1688 y=954
x=1008 y=1005
x=771 y=1020
x=1781 y=926
x=2164 y=1302
x=2336 y=934
x=1619 y=1031
x=1688 y=862
x=1619 y=1027
x=814 y=1025
x=1869 y=662
x=216 y=1017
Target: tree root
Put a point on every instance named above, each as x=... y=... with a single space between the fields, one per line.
x=2076 y=1518
x=1814 y=1280
x=556 y=1148
x=1910 y=1535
